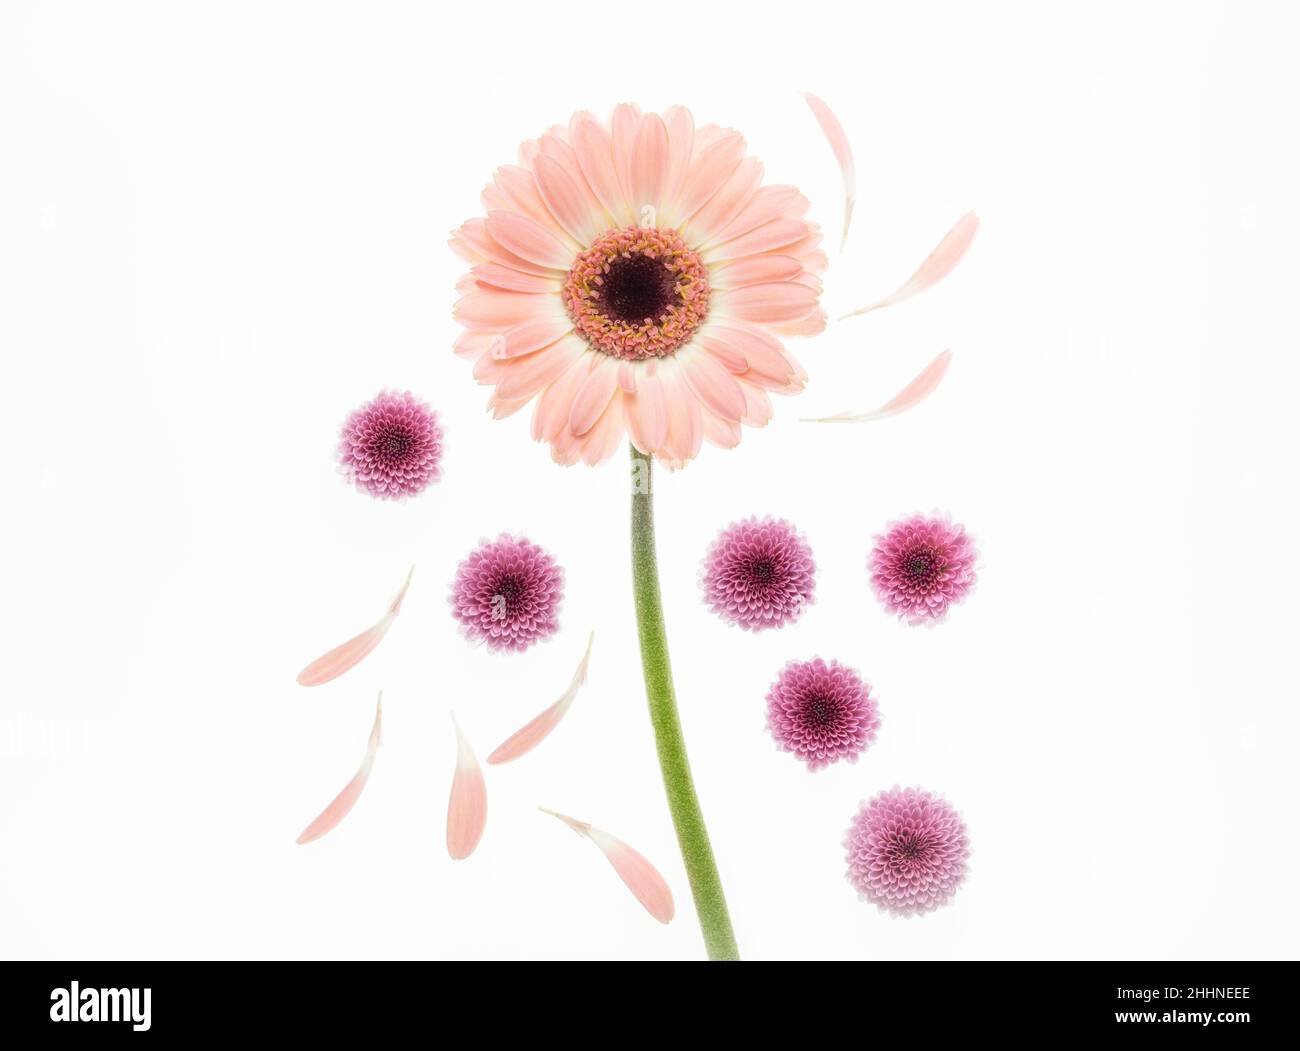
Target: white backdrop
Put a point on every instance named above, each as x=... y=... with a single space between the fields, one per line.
x=224 y=226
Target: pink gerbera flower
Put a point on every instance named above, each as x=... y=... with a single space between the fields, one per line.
x=758 y=574
x=822 y=712
x=907 y=851
x=507 y=594
x=635 y=277
x=920 y=566
x=391 y=447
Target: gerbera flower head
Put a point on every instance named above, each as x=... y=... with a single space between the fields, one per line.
x=822 y=712
x=921 y=566
x=507 y=594
x=391 y=447
x=907 y=851
x=758 y=573
x=634 y=277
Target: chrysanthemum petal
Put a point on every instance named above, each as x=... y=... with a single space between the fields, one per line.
x=926 y=383
x=639 y=876
x=538 y=729
x=467 y=806
x=346 y=656
x=839 y=141
x=938 y=264
x=343 y=803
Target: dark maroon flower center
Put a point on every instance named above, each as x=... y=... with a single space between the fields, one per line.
x=922 y=567
x=508 y=595
x=911 y=848
x=821 y=711
x=763 y=570
x=638 y=288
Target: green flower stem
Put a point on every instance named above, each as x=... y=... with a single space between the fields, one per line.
x=692 y=836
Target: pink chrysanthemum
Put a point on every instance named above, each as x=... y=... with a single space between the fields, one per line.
x=920 y=566
x=635 y=277
x=907 y=851
x=758 y=573
x=391 y=447
x=822 y=712
x=507 y=594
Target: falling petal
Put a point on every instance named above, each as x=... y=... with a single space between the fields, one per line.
x=467 y=807
x=347 y=799
x=909 y=397
x=341 y=658
x=640 y=877
x=533 y=734
x=938 y=265
x=834 y=132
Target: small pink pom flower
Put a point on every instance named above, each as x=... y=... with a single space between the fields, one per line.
x=507 y=594
x=822 y=712
x=758 y=574
x=391 y=447
x=907 y=851
x=920 y=566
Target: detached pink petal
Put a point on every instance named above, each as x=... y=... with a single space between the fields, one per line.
x=341 y=658
x=835 y=135
x=938 y=264
x=536 y=731
x=347 y=799
x=640 y=877
x=467 y=807
x=925 y=384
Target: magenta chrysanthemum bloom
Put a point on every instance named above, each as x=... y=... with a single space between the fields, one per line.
x=907 y=851
x=822 y=712
x=391 y=447
x=507 y=594
x=758 y=573
x=920 y=566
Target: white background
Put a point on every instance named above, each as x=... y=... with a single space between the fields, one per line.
x=224 y=226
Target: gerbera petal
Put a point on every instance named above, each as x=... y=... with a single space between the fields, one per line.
x=467 y=805
x=767 y=203
x=348 y=655
x=531 y=335
x=537 y=730
x=490 y=308
x=725 y=434
x=925 y=384
x=811 y=325
x=529 y=240
x=763 y=353
x=595 y=152
x=510 y=280
x=593 y=396
x=710 y=169
x=938 y=264
x=651 y=168
x=570 y=203
x=712 y=384
x=552 y=413
x=343 y=803
x=835 y=135
x=783 y=301
x=637 y=874
x=758 y=406
x=647 y=414
x=755 y=270
x=720 y=208
x=624 y=124
x=474 y=237
x=685 y=426
x=681 y=145
x=525 y=376
x=771 y=236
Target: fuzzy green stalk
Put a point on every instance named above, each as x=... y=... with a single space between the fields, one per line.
x=692 y=836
